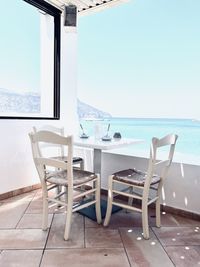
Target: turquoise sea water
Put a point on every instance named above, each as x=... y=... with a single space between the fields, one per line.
x=188 y=144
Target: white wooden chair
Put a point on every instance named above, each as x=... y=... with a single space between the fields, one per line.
x=59 y=173
x=145 y=187
x=60 y=151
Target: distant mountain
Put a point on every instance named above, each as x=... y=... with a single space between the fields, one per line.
x=30 y=103
x=19 y=103
x=89 y=112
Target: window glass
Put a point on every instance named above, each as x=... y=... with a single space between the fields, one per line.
x=27 y=81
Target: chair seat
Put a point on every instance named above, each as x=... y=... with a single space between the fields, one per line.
x=75 y=159
x=134 y=177
x=80 y=177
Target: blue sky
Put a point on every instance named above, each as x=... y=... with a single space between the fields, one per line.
x=19 y=46
x=142 y=59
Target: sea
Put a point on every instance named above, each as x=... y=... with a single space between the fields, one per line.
x=188 y=131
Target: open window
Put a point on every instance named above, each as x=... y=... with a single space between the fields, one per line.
x=29 y=60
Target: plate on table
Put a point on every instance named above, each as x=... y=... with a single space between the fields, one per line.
x=106 y=138
x=84 y=136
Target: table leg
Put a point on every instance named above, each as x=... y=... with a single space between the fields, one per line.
x=90 y=211
x=97 y=161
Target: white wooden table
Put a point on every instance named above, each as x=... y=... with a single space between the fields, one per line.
x=98 y=145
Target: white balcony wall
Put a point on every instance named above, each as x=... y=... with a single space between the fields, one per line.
x=182 y=186
x=17 y=169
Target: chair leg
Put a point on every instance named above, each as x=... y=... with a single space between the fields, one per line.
x=158 y=223
x=98 y=200
x=82 y=165
x=45 y=209
x=68 y=219
x=109 y=203
x=159 y=190
x=58 y=191
x=145 y=225
x=130 y=199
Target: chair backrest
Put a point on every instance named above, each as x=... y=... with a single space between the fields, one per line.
x=53 y=129
x=42 y=163
x=167 y=145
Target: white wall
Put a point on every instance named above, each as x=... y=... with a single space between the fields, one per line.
x=17 y=169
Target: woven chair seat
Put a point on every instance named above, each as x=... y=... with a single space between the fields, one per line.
x=134 y=177
x=60 y=177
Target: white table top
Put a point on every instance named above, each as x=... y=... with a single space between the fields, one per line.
x=91 y=142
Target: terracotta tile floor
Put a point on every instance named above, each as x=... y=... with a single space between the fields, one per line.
x=23 y=243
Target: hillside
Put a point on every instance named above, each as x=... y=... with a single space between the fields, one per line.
x=89 y=112
x=30 y=103
x=19 y=103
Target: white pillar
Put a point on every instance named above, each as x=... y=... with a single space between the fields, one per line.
x=69 y=118
x=46 y=64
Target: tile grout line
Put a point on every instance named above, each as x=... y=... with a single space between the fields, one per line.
x=46 y=240
x=23 y=214
x=25 y=209
x=124 y=247
x=162 y=246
